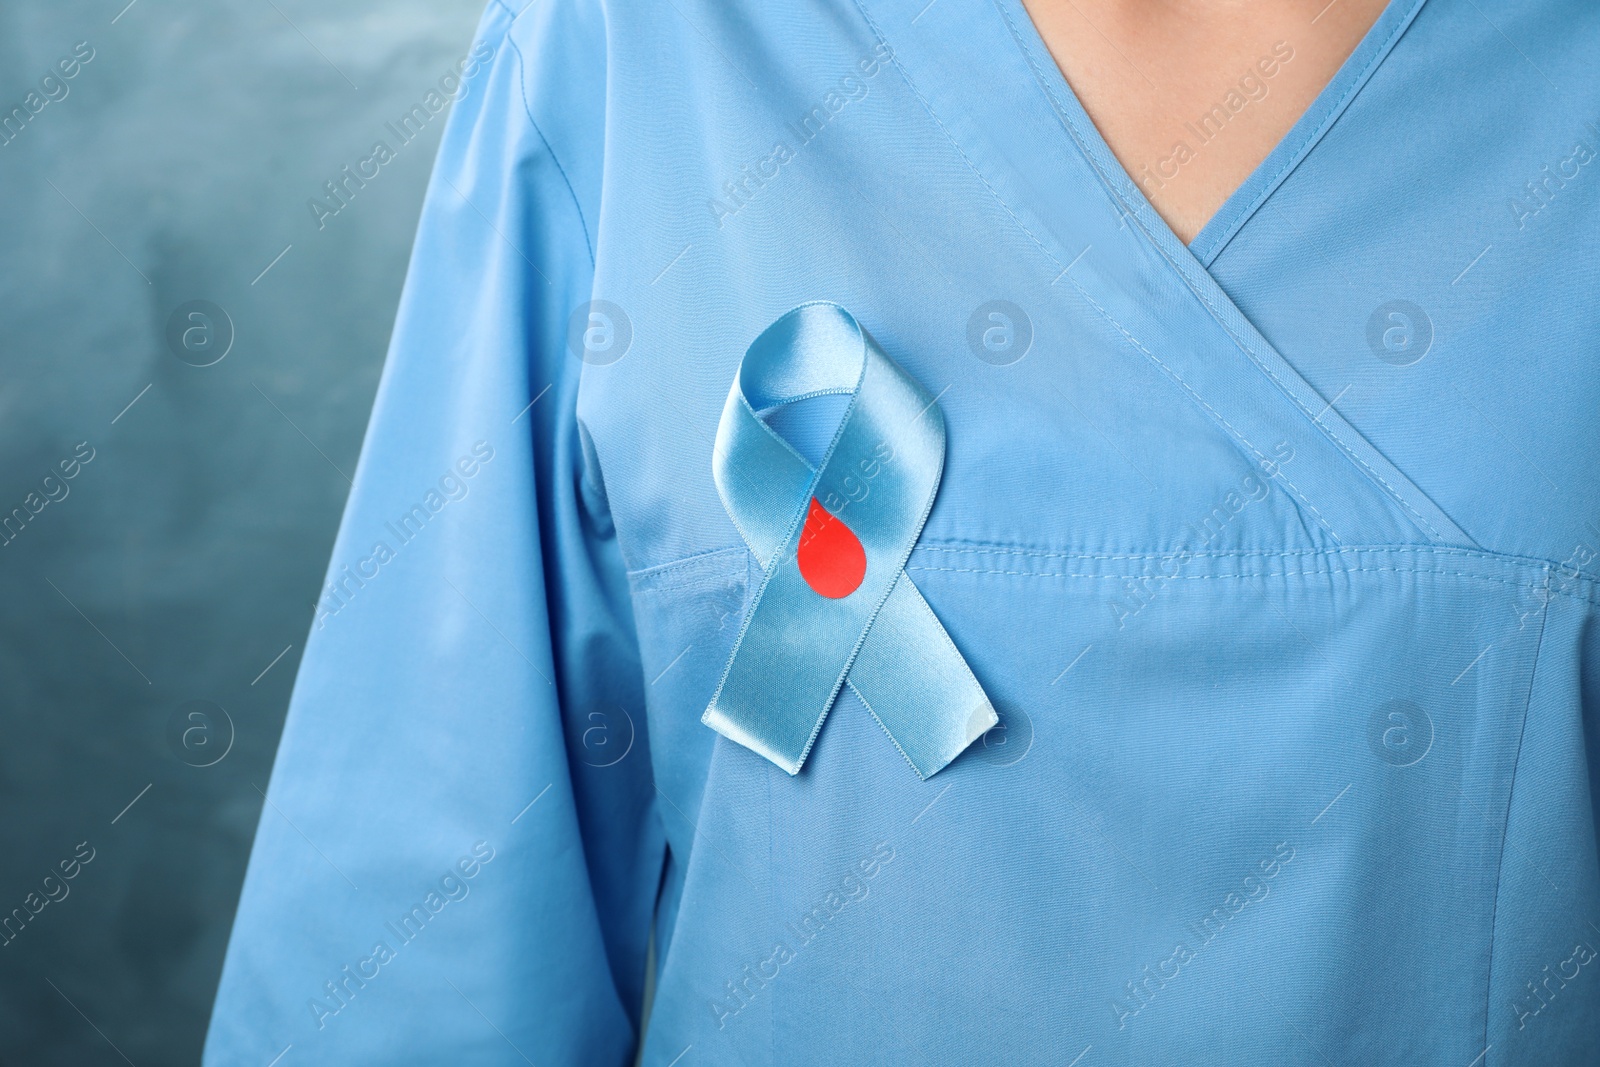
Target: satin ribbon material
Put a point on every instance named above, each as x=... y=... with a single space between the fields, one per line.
x=878 y=477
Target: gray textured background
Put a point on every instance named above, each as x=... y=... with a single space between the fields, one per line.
x=187 y=553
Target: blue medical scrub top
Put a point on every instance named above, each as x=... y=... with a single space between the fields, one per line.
x=1277 y=553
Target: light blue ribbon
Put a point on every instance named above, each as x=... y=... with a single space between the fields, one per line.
x=878 y=477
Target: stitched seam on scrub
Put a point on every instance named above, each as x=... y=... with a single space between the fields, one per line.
x=1505 y=826
x=772 y=910
x=1427 y=571
x=959 y=545
x=962 y=545
x=522 y=86
x=710 y=585
x=926 y=106
x=1198 y=399
x=1301 y=153
x=664 y=578
x=1578 y=586
x=1113 y=201
x=1078 y=140
x=1316 y=420
x=662 y=568
x=894 y=57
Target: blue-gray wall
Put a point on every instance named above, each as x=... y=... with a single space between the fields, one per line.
x=179 y=561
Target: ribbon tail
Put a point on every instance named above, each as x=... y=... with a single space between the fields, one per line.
x=779 y=728
x=917 y=685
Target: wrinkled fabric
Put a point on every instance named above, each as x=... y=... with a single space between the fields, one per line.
x=1277 y=553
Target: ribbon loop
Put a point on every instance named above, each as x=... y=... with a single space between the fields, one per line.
x=835 y=605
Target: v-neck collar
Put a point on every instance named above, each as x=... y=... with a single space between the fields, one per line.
x=1253 y=192
x=986 y=80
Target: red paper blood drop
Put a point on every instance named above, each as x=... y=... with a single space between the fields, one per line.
x=831 y=558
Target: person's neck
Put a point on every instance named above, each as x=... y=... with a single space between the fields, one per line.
x=1191 y=95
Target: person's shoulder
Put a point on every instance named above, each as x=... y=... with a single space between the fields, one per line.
x=529 y=23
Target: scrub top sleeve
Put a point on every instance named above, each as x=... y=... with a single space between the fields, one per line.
x=458 y=854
